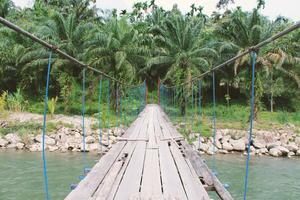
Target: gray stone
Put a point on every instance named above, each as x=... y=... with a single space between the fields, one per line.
x=273 y=144
x=259 y=144
x=238 y=145
x=262 y=151
x=290 y=154
x=227 y=146
x=35 y=147
x=53 y=148
x=11 y=146
x=297 y=141
x=298 y=153
x=93 y=147
x=20 y=145
x=283 y=150
x=48 y=140
x=292 y=147
x=204 y=147
x=12 y=138
x=89 y=139
x=222 y=151
x=3 y=142
x=275 y=152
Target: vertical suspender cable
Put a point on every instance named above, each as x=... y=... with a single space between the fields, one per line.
x=253 y=58
x=83 y=118
x=108 y=111
x=200 y=113
x=47 y=197
x=100 y=115
x=214 y=123
x=192 y=115
x=117 y=105
x=121 y=114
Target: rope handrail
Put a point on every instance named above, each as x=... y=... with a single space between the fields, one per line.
x=242 y=54
x=57 y=50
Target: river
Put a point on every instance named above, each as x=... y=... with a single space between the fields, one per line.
x=21 y=176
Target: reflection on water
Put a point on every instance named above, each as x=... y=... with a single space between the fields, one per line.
x=21 y=176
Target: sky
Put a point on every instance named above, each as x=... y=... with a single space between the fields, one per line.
x=274 y=8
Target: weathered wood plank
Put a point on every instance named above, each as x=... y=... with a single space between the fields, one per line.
x=171 y=183
x=192 y=185
x=90 y=183
x=132 y=178
x=151 y=182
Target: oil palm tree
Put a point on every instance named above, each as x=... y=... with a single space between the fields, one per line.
x=182 y=53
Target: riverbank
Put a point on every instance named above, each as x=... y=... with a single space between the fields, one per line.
x=22 y=131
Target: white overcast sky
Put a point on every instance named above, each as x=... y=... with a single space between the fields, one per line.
x=274 y=8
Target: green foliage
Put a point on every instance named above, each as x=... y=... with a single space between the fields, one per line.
x=3 y=101
x=51 y=105
x=16 y=101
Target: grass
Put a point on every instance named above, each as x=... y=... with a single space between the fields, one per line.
x=26 y=128
x=234 y=117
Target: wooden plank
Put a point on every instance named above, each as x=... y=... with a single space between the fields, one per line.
x=171 y=183
x=119 y=178
x=192 y=185
x=90 y=183
x=151 y=182
x=106 y=190
x=202 y=170
x=132 y=178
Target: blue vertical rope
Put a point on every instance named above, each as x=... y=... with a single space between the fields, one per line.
x=117 y=106
x=253 y=59
x=200 y=112
x=192 y=123
x=100 y=115
x=47 y=197
x=108 y=112
x=83 y=118
x=214 y=123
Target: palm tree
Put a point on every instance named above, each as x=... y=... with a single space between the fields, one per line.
x=5 y=7
x=114 y=49
x=181 y=53
x=244 y=30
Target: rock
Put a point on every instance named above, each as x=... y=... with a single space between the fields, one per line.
x=297 y=141
x=12 y=138
x=298 y=153
x=261 y=151
x=273 y=144
x=238 y=145
x=225 y=139
x=227 y=146
x=35 y=147
x=48 y=140
x=292 y=147
x=94 y=147
x=3 y=142
x=52 y=148
x=275 y=152
x=89 y=139
x=11 y=146
x=259 y=144
x=283 y=150
x=290 y=154
x=204 y=147
x=223 y=151
x=20 y=145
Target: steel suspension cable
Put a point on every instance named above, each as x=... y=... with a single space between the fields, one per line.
x=214 y=122
x=57 y=50
x=200 y=113
x=247 y=51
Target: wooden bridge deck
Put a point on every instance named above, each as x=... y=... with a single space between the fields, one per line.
x=150 y=162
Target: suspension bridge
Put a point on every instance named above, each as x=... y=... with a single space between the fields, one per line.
x=151 y=160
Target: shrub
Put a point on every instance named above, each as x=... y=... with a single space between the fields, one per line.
x=16 y=102
x=3 y=101
x=51 y=105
